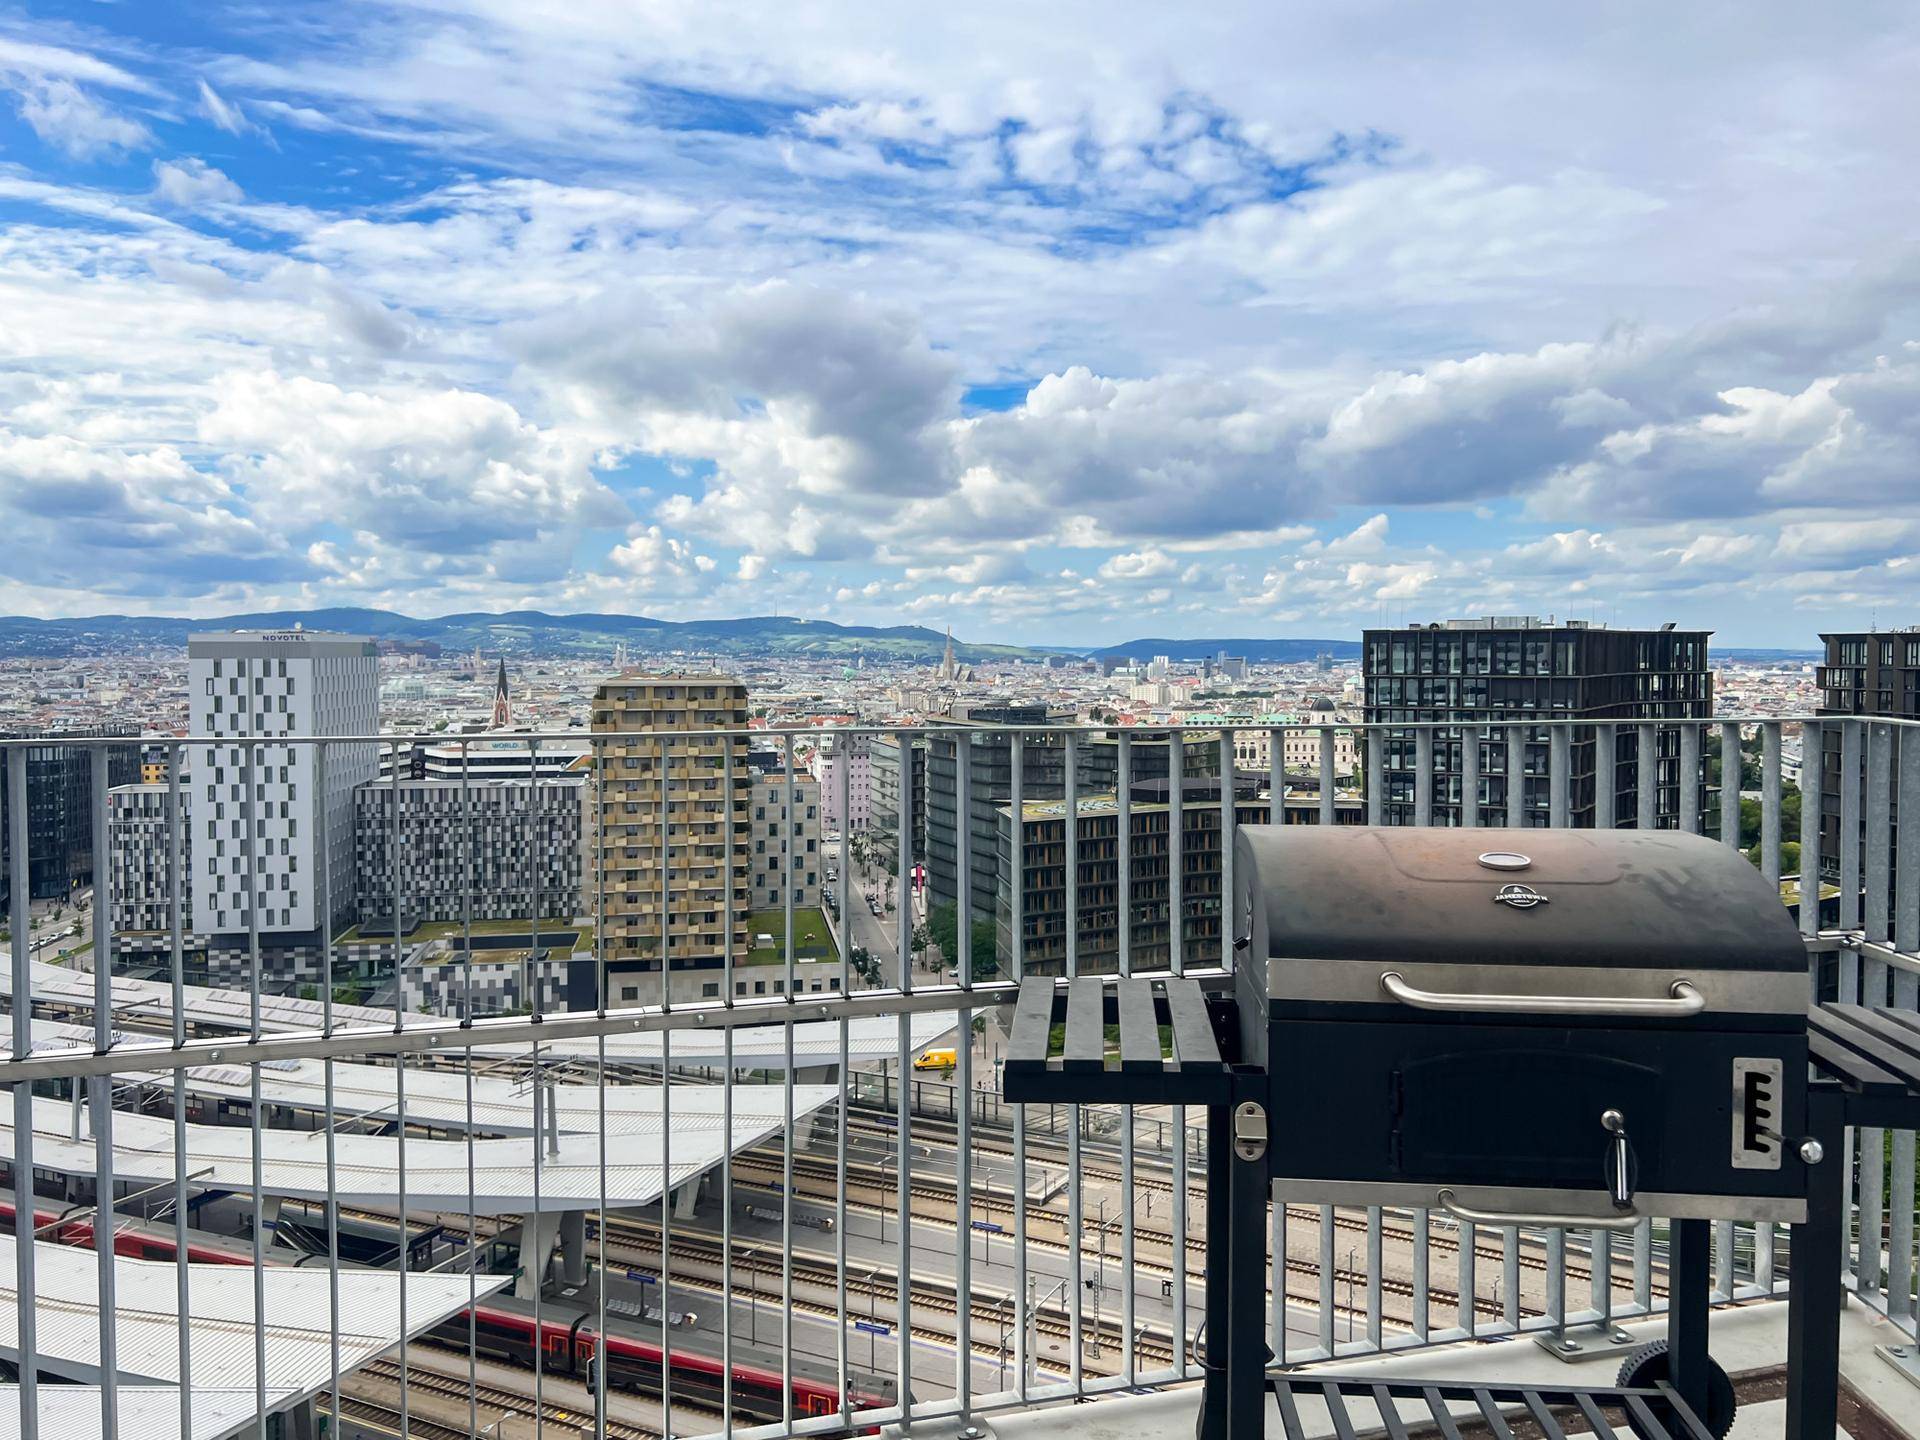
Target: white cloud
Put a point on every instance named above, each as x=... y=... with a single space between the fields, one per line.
x=66 y=117
x=190 y=184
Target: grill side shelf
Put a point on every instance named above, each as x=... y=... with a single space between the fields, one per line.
x=1083 y=1073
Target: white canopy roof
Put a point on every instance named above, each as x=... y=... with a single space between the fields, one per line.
x=755 y=1047
x=220 y=1323
x=367 y=1171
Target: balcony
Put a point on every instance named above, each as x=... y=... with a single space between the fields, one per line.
x=759 y=1194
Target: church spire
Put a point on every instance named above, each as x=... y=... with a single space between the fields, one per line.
x=502 y=714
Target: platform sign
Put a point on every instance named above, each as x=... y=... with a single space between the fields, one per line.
x=868 y=1327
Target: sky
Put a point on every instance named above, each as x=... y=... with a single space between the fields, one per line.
x=1059 y=324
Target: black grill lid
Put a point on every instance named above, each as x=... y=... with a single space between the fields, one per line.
x=1610 y=898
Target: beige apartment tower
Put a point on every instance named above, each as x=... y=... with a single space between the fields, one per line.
x=669 y=846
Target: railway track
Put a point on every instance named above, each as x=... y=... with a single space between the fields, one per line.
x=1148 y=1176
x=422 y=1379
x=882 y=1286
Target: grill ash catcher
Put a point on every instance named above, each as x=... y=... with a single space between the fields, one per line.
x=1575 y=1028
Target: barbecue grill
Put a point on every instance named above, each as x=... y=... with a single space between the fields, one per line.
x=1573 y=1027
x=1523 y=1027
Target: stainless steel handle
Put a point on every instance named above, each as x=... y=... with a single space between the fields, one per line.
x=1624 y=1220
x=1682 y=999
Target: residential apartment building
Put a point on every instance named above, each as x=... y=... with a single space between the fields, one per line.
x=890 y=774
x=141 y=886
x=784 y=841
x=1504 y=669
x=853 y=754
x=1146 y=891
x=669 y=840
x=1866 y=673
x=60 y=809
x=256 y=856
x=488 y=850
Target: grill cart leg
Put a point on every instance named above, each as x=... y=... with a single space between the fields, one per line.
x=1219 y=1271
x=1813 y=1302
x=1689 y=1272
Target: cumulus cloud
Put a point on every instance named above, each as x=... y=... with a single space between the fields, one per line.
x=69 y=119
x=190 y=184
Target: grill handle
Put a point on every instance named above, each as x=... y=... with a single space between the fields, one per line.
x=1682 y=1000
x=1623 y=1220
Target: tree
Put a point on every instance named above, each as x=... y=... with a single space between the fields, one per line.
x=1789 y=819
x=943 y=923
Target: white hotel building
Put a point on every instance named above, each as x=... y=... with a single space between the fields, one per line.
x=259 y=685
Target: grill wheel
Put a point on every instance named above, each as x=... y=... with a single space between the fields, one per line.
x=1648 y=1366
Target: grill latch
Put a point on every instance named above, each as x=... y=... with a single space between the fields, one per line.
x=1249 y=1130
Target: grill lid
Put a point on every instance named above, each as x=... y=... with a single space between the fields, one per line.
x=1627 y=899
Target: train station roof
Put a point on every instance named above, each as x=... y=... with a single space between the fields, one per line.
x=502 y=1176
x=150 y=1411
x=219 y=1321
x=755 y=1047
x=436 y=1095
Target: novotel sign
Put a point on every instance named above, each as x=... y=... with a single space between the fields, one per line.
x=282 y=636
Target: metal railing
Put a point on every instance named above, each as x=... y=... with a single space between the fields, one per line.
x=872 y=1240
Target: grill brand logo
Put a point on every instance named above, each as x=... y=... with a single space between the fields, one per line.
x=1520 y=897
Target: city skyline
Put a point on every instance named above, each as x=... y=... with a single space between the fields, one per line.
x=1227 y=327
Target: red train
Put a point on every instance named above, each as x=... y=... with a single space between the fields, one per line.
x=503 y=1329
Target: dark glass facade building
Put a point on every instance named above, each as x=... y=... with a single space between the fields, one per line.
x=1870 y=674
x=1507 y=669
x=60 y=812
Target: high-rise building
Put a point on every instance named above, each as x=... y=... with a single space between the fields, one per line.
x=141 y=884
x=888 y=770
x=60 y=811
x=269 y=686
x=1505 y=669
x=669 y=842
x=854 y=753
x=1866 y=673
x=492 y=849
x=783 y=841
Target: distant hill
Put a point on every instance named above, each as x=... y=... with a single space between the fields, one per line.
x=529 y=632
x=1264 y=652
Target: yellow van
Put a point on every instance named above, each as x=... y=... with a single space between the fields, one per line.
x=935 y=1060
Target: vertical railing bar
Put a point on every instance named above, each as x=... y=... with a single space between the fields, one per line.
x=26 y=1301
x=786 y=1139
x=400 y=1117
x=1470 y=775
x=1277 y=1272
x=1276 y=776
x=1228 y=800
x=963 y=1055
x=600 y=1237
x=1643 y=1266
x=1376 y=778
x=1329 y=1282
x=1328 y=814
x=1813 y=765
x=1600 y=1278
x=1510 y=1276
x=1422 y=1271
x=332 y=1209
x=1770 y=800
x=1017 y=796
x=1422 y=777
x=1176 y=856
x=101 y=1091
x=252 y=851
x=1468 y=1280
x=466 y=1020
x=731 y=873
x=843 y=784
x=666 y=1051
x=1606 y=775
x=1556 y=1243
x=1646 y=757
x=1076 y=1196
x=1070 y=792
x=903 y=1118
x=1559 y=777
x=1730 y=746
x=1849 y=855
x=1376 y=1256
x=1516 y=776
x=1692 y=822
x=178 y=879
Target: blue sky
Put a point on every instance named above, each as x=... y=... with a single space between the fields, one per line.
x=1056 y=325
